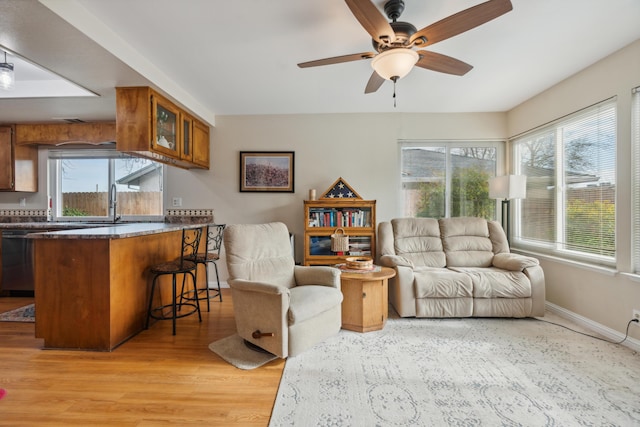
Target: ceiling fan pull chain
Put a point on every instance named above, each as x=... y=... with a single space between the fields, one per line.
x=395 y=79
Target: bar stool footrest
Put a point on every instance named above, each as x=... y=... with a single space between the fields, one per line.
x=169 y=307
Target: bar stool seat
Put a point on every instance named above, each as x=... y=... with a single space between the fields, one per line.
x=179 y=266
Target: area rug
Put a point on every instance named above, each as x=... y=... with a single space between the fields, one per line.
x=461 y=372
x=234 y=351
x=22 y=314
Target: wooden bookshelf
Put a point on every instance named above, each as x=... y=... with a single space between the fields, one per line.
x=322 y=217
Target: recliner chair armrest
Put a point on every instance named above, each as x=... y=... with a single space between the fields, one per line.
x=251 y=286
x=317 y=275
x=395 y=261
x=513 y=262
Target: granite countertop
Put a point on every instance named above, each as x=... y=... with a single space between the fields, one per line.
x=95 y=231
x=42 y=225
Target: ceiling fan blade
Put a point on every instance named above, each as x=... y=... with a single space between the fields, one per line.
x=337 y=59
x=462 y=21
x=374 y=83
x=442 y=63
x=372 y=20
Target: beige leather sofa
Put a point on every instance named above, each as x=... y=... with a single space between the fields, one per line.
x=458 y=267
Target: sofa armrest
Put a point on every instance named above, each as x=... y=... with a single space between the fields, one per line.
x=317 y=275
x=513 y=262
x=252 y=286
x=395 y=261
x=260 y=306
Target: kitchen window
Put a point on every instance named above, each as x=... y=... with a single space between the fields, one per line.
x=85 y=183
x=570 y=208
x=449 y=178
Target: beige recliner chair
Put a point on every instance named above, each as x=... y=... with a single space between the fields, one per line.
x=280 y=307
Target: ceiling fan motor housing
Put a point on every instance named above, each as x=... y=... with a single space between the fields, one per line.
x=403 y=31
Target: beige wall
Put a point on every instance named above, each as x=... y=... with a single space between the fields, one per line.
x=361 y=148
x=605 y=297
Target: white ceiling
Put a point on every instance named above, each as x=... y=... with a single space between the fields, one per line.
x=239 y=56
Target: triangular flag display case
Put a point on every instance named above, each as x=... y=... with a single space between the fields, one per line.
x=339 y=207
x=340 y=190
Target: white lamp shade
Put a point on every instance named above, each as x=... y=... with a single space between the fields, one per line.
x=508 y=187
x=394 y=62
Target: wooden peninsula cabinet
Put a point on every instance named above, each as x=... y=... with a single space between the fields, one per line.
x=18 y=164
x=92 y=285
x=149 y=125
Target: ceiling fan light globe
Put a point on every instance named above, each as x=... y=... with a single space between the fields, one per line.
x=394 y=63
x=6 y=75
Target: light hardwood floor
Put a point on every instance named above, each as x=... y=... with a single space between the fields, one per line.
x=154 y=379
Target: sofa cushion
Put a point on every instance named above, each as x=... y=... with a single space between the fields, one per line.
x=444 y=307
x=497 y=283
x=466 y=242
x=418 y=240
x=441 y=283
x=498 y=238
x=310 y=300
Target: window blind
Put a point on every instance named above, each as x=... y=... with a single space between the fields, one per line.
x=570 y=165
x=635 y=141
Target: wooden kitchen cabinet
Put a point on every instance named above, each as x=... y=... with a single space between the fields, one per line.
x=149 y=125
x=18 y=164
x=200 y=144
x=60 y=134
x=92 y=293
x=186 y=127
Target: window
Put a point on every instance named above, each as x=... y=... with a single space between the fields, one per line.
x=449 y=179
x=81 y=182
x=570 y=166
x=635 y=142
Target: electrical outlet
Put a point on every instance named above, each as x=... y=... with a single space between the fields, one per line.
x=636 y=316
x=177 y=202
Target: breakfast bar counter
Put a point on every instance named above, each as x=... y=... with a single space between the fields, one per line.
x=91 y=284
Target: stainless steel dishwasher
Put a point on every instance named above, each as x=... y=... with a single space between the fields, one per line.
x=17 y=261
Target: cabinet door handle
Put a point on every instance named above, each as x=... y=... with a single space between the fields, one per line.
x=364 y=295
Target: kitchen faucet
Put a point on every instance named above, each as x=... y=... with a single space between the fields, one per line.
x=113 y=204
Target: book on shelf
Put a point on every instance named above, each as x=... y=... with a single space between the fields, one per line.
x=345 y=217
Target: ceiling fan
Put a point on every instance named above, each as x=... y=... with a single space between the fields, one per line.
x=394 y=41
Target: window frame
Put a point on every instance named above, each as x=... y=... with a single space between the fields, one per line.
x=635 y=171
x=449 y=145
x=54 y=163
x=556 y=249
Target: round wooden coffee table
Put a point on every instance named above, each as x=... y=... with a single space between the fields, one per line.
x=366 y=299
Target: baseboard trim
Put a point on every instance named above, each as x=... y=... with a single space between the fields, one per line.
x=605 y=331
x=214 y=285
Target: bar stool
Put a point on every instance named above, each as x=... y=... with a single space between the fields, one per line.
x=181 y=265
x=211 y=256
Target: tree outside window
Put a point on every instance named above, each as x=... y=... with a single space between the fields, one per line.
x=448 y=179
x=570 y=168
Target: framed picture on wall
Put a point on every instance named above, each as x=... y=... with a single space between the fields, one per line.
x=267 y=171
